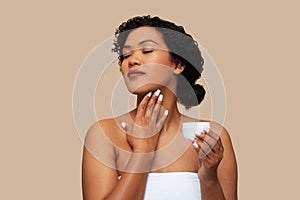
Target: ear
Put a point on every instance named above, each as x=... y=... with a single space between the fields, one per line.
x=178 y=69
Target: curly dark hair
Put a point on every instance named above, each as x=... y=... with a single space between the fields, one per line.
x=183 y=49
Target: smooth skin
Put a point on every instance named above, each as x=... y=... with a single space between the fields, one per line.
x=112 y=151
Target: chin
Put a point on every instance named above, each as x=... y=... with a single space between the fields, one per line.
x=144 y=89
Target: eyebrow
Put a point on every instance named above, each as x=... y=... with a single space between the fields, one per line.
x=140 y=43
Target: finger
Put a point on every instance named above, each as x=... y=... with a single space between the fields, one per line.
x=197 y=144
x=210 y=141
x=219 y=147
x=200 y=135
x=157 y=110
x=162 y=120
x=202 y=149
x=142 y=106
x=212 y=134
x=123 y=125
x=127 y=127
x=155 y=97
x=202 y=154
x=210 y=137
x=205 y=148
x=215 y=157
x=205 y=152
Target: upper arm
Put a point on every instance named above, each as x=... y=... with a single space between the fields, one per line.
x=227 y=170
x=99 y=174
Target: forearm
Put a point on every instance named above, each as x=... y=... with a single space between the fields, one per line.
x=133 y=181
x=211 y=190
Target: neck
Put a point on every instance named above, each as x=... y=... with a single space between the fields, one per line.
x=169 y=103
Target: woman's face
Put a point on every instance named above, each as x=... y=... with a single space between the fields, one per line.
x=147 y=62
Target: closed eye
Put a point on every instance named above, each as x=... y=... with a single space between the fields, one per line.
x=145 y=51
x=125 y=56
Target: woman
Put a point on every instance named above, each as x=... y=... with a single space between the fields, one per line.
x=142 y=154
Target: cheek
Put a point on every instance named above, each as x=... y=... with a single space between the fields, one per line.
x=164 y=58
x=160 y=73
x=123 y=69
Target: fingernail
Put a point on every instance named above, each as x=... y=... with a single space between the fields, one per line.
x=166 y=112
x=157 y=92
x=195 y=144
x=123 y=124
x=149 y=94
x=207 y=130
x=198 y=133
x=160 y=98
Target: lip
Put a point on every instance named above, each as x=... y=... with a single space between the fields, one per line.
x=134 y=73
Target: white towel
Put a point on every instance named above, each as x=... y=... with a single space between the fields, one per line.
x=173 y=186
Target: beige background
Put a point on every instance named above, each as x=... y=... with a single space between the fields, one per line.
x=254 y=43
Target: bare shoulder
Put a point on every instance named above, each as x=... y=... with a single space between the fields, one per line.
x=108 y=127
x=103 y=125
x=227 y=170
x=222 y=132
x=97 y=131
x=97 y=139
x=103 y=138
x=99 y=172
x=108 y=132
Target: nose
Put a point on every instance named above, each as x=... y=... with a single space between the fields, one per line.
x=134 y=60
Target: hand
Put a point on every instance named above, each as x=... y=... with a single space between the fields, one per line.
x=150 y=118
x=210 y=152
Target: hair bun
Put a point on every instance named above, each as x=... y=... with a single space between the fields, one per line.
x=199 y=91
x=191 y=96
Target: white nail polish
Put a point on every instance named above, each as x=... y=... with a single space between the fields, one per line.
x=160 y=98
x=149 y=94
x=123 y=124
x=195 y=144
x=198 y=133
x=157 y=92
x=166 y=112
